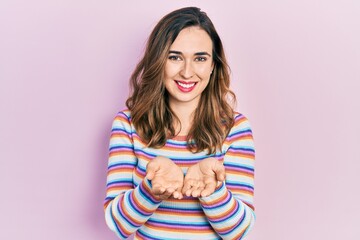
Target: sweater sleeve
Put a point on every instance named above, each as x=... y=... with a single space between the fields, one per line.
x=127 y=206
x=230 y=208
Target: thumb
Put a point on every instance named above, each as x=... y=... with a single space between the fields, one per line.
x=151 y=169
x=219 y=170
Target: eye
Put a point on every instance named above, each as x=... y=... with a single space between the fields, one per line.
x=175 y=58
x=200 y=59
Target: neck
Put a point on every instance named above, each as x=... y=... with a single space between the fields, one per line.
x=184 y=112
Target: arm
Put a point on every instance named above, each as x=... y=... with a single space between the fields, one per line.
x=126 y=207
x=230 y=208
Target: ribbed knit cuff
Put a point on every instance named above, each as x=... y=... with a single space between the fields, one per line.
x=217 y=196
x=143 y=193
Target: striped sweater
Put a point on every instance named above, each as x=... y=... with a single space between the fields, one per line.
x=129 y=207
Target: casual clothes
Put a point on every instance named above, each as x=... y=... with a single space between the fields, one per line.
x=228 y=213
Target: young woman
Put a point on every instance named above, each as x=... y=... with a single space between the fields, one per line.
x=181 y=162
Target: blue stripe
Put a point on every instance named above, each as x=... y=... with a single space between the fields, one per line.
x=128 y=181
x=230 y=217
x=187 y=209
x=212 y=208
x=147 y=236
x=176 y=143
x=123 y=130
x=115 y=147
x=133 y=207
x=123 y=114
x=246 y=149
x=124 y=217
x=167 y=222
x=239 y=132
x=239 y=184
x=188 y=158
x=142 y=169
x=239 y=166
x=116 y=226
x=145 y=196
x=217 y=155
x=121 y=164
x=137 y=150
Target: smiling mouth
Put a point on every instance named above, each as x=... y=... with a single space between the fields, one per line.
x=186 y=85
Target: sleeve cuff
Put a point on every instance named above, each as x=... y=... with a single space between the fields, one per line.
x=217 y=196
x=144 y=191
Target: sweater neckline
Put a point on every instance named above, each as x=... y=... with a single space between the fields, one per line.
x=180 y=138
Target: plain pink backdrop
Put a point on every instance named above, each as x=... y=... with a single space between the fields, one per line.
x=64 y=69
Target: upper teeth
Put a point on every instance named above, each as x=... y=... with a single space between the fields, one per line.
x=186 y=85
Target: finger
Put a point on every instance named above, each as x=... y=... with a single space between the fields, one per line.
x=161 y=197
x=150 y=175
x=187 y=185
x=219 y=171
x=166 y=193
x=151 y=169
x=177 y=195
x=195 y=189
x=209 y=189
x=190 y=191
x=199 y=187
x=158 y=189
x=170 y=191
x=196 y=192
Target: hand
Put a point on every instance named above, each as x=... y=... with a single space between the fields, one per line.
x=202 y=178
x=166 y=178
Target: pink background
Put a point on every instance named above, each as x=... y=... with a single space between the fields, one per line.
x=64 y=69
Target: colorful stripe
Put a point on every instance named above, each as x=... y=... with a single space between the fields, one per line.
x=130 y=208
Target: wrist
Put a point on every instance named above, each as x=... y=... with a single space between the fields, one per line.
x=148 y=188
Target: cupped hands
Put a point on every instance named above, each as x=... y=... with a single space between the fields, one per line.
x=168 y=180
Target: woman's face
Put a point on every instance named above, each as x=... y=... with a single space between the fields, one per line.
x=188 y=67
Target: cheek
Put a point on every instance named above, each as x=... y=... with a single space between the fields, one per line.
x=171 y=70
x=169 y=75
x=166 y=70
x=204 y=71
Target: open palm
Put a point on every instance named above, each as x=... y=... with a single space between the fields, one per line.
x=202 y=178
x=166 y=178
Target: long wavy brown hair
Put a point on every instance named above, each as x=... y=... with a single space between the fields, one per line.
x=150 y=112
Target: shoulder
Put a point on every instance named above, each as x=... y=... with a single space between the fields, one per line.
x=241 y=121
x=240 y=135
x=122 y=118
x=241 y=125
x=125 y=113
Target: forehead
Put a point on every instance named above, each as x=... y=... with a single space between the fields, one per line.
x=192 y=40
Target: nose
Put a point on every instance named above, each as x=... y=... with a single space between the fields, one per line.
x=187 y=70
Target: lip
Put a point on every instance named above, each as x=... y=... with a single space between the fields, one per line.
x=184 y=86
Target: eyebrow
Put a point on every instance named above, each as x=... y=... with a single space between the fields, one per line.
x=196 y=54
